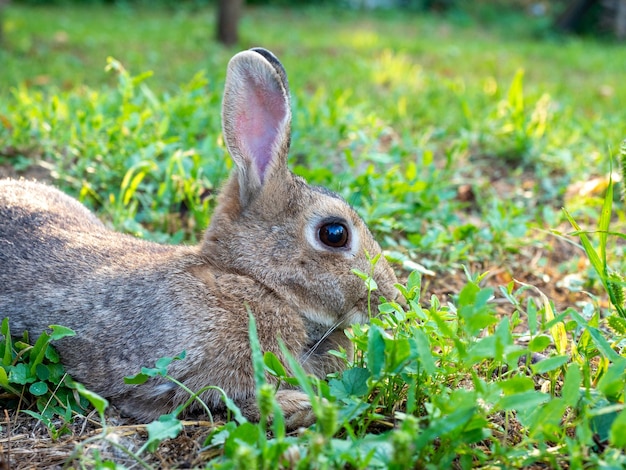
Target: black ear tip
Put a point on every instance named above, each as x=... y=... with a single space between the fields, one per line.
x=274 y=62
x=267 y=54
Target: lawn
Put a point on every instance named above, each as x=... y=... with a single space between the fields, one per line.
x=460 y=139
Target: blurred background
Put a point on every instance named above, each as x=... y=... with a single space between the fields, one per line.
x=84 y=27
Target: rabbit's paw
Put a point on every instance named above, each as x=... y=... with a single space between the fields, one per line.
x=296 y=408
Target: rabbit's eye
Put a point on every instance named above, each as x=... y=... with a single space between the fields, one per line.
x=334 y=235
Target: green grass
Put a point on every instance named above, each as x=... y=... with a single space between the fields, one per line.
x=458 y=141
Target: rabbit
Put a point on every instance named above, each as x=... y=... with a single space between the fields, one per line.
x=275 y=246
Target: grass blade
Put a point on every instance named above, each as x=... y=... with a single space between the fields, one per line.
x=605 y=220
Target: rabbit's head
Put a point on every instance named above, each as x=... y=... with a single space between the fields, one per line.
x=301 y=242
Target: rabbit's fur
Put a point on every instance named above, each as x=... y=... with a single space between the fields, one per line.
x=132 y=302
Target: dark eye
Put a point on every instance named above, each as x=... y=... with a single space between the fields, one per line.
x=334 y=235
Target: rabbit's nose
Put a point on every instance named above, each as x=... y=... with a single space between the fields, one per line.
x=386 y=281
x=400 y=300
x=393 y=295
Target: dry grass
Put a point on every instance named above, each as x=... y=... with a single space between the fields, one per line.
x=25 y=443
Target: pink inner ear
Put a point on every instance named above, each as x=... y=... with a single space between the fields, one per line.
x=259 y=122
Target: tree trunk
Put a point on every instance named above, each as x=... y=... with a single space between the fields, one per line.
x=228 y=13
x=620 y=20
x=569 y=20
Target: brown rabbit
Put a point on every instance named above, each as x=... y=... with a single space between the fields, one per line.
x=275 y=244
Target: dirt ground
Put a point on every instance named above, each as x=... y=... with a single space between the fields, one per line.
x=25 y=443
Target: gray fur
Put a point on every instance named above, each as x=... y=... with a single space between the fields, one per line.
x=132 y=302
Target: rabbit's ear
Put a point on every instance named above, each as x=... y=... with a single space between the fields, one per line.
x=256 y=118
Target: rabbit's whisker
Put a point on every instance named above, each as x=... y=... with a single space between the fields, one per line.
x=313 y=348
